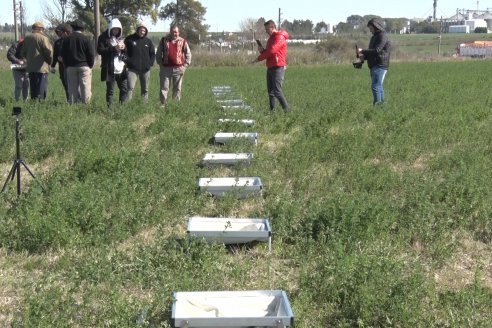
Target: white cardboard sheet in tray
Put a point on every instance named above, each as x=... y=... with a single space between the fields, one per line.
x=247 y=122
x=241 y=106
x=242 y=187
x=229 y=230
x=227 y=158
x=224 y=137
x=231 y=102
x=212 y=309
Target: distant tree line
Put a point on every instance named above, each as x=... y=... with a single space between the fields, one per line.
x=11 y=28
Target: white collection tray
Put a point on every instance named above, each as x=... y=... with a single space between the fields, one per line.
x=247 y=122
x=224 y=137
x=227 y=158
x=226 y=102
x=243 y=186
x=212 y=309
x=230 y=230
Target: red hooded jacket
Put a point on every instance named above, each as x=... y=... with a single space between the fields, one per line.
x=276 y=49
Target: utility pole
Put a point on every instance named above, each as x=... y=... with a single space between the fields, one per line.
x=253 y=41
x=440 y=39
x=21 y=18
x=177 y=14
x=279 y=17
x=97 y=24
x=16 y=27
x=435 y=6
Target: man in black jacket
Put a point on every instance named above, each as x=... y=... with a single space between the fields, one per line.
x=62 y=31
x=78 y=57
x=377 y=57
x=141 y=56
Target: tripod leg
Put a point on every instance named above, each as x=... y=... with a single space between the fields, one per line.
x=11 y=175
x=30 y=172
x=27 y=168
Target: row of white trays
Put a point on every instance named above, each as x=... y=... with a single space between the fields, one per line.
x=229 y=231
x=212 y=309
x=241 y=309
x=241 y=187
x=224 y=137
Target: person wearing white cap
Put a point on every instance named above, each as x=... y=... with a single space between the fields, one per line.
x=141 y=57
x=38 y=52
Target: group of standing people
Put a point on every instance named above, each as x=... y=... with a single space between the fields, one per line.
x=126 y=60
x=123 y=62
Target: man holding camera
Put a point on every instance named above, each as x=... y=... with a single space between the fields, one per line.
x=377 y=57
x=275 y=54
x=21 y=78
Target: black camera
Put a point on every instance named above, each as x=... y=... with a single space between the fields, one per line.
x=16 y=111
x=359 y=61
x=358 y=64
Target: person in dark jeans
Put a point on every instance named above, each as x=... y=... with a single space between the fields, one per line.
x=378 y=57
x=275 y=54
x=111 y=47
x=38 y=52
x=21 y=77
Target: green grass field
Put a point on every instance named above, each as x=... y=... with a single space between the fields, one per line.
x=380 y=216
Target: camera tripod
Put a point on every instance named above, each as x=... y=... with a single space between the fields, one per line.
x=16 y=167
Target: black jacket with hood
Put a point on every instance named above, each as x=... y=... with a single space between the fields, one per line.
x=13 y=54
x=378 y=53
x=140 y=51
x=107 y=50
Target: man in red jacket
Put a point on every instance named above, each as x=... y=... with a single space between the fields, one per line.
x=173 y=56
x=275 y=55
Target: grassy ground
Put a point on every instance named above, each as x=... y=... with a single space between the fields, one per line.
x=381 y=216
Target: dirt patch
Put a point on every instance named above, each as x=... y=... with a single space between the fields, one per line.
x=142 y=124
x=472 y=261
x=15 y=280
x=145 y=237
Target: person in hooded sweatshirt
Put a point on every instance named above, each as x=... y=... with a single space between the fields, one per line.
x=141 y=56
x=21 y=77
x=378 y=57
x=77 y=54
x=111 y=47
x=275 y=53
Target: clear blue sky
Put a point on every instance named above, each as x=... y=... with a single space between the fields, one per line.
x=225 y=15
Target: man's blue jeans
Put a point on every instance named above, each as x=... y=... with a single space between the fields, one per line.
x=377 y=79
